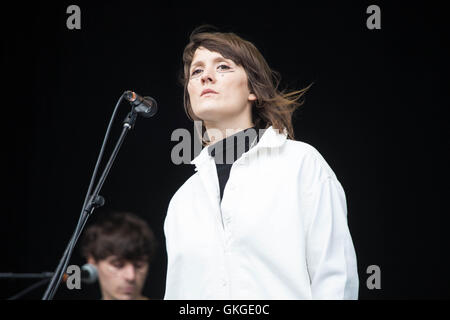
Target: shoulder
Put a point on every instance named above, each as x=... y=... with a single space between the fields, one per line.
x=184 y=190
x=179 y=200
x=308 y=160
x=300 y=147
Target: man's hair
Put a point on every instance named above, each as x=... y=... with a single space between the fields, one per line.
x=272 y=107
x=120 y=234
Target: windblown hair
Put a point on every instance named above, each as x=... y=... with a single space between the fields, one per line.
x=120 y=234
x=272 y=107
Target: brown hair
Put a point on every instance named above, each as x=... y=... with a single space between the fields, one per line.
x=120 y=234
x=272 y=107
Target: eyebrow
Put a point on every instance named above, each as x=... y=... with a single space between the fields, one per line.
x=200 y=62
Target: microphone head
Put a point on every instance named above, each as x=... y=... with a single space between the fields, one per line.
x=129 y=95
x=89 y=273
x=152 y=107
x=145 y=106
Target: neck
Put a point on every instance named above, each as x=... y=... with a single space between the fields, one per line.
x=221 y=130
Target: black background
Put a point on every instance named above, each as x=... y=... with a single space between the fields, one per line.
x=375 y=112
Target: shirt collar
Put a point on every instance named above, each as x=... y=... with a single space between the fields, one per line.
x=270 y=138
x=234 y=145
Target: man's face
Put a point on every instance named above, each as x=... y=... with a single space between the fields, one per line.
x=121 y=279
x=232 y=100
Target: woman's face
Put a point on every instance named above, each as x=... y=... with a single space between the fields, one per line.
x=231 y=103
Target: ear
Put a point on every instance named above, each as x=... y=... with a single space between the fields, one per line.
x=252 y=97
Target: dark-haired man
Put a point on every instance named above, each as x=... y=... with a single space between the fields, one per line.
x=121 y=247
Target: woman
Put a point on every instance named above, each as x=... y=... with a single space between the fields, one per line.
x=269 y=221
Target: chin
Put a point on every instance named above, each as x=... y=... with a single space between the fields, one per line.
x=127 y=297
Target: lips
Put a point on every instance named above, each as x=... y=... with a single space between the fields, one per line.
x=208 y=91
x=128 y=290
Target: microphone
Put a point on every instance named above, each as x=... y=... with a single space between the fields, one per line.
x=89 y=274
x=145 y=106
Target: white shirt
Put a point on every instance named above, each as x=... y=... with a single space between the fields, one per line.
x=280 y=231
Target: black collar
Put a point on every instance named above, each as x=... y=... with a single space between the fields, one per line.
x=219 y=150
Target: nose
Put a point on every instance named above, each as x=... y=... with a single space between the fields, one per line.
x=208 y=76
x=129 y=272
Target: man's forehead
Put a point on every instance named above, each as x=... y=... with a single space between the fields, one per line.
x=122 y=259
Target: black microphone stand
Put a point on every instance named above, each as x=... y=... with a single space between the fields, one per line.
x=44 y=276
x=92 y=201
x=10 y=275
